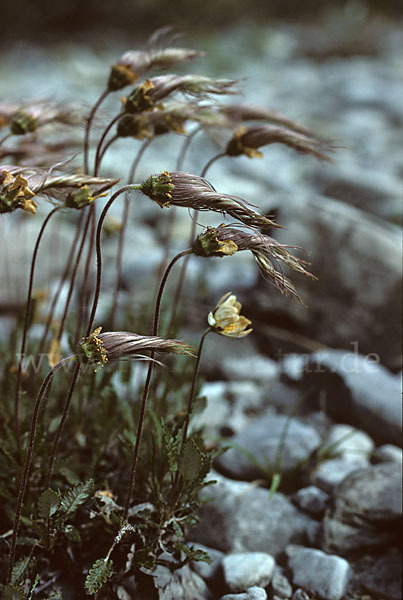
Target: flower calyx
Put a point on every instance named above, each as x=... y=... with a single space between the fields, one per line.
x=236 y=147
x=159 y=188
x=23 y=123
x=139 y=100
x=92 y=350
x=207 y=244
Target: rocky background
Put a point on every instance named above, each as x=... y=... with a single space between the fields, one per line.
x=314 y=394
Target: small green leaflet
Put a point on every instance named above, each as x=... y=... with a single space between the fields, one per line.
x=72 y=499
x=48 y=503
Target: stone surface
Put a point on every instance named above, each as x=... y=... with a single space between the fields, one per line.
x=357 y=260
x=359 y=392
x=274 y=442
x=184 y=584
x=246 y=569
x=208 y=571
x=352 y=444
x=253 y=593
x=388 y=453
x=331 y=473
x=280 y=585
x=319 y=573
x=240 y=517
x=366 y=510
x=381 y=576
x=311 y=499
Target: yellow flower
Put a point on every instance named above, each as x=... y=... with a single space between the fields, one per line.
x=226 y=319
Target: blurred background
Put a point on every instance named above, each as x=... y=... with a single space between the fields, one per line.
x=336 y=67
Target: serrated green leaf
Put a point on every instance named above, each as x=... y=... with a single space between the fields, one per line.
x=19 y=568
x=48 y=503
x=72 y=499
x=190 y=461
x=99 y=574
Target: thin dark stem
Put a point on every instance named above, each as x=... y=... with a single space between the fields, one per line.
x=185 y=148
x=122 y=232
x=73 y=278
x=107 y=206
x=28 y=460
x=147 y=383
x=88 y=127
x=61 y=284
x=85 y=290
x=98 y=154
x=182 y=274
x=5 y=138
x=193 y=386
x=66 y=408
x=210 y=162
x=103 y=151
x=26 y=325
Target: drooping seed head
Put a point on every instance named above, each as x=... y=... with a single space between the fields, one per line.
x=98 y=348
x=247 y=140
x=191 y=191
x=244 y=111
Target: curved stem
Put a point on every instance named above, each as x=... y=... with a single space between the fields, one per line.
x=99 y=252
x=185 y=147
x=103 y=151
x=182 y=275
x=62 y=422
x=122 y=232
x=61 y=284
x=101 y=141
x=5 y=138
x=28 y=460
x=147 y=383
x=210 y=162
x=26 y=325
x=193 y=386
x=85 y=282
x=88 y=127
x=73 y=278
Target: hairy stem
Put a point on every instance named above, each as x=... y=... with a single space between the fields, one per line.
x=88 y=128
x=147 y=383
x=28 y=460
x=182 y=274
x=26 y=325
x=107 y=206
x=122 y=232
x=98 y=155
x=66 y=407
x=62 y=281
x=193 y=386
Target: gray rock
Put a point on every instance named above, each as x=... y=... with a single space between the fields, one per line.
x=319 y=573
x=240 y=517
x=280 y=585
x=300 y=594
x=257 y=368
x=381 y=576
x=208 y=571
x=331 y=473
x=351 y=443
x=357 y=260
x=311 y=499
x=184 y=584
x=366 y=510
x=253 y=593
x=275 y=442
x=246 y=569
x=358 y=391
x=388 y=453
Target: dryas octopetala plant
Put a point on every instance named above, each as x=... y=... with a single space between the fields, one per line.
x=101 y=469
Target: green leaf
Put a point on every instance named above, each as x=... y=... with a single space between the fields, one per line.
x=19 y=568
x=190 y=461
x=48 y=503
x=99 y=574
x=72 y=499
x=33 y=587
